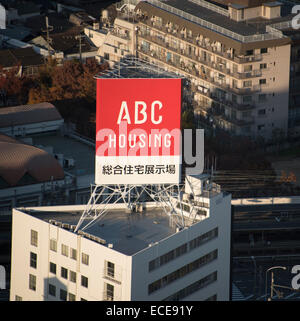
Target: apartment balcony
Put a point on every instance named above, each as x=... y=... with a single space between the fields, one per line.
x=246 y=91
x=221 y=100
x=214 y=65
x=252 y=58
x=119 y=34
x=201 y=43
x=234 y=121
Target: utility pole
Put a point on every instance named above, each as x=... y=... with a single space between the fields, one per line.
x=80 y=46
x=48 y=28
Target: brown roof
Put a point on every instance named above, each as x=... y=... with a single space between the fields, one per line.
x=28 y=114
x=18 y=159
x=25 y=56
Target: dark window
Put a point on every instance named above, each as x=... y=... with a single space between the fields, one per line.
x=64 y=273
x=84 y=281
x=63 y=295
x=183 y=271
x=33 y=260
x=52 y=268
x=194 y=287
x=262 y=81
x=110 y=269
x=52 y=290
x=263 y=50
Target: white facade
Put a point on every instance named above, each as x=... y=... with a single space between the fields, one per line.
x=151 y=272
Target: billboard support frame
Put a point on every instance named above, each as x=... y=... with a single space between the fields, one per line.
x=162 y=196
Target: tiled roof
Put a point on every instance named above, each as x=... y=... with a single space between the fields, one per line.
x=18 y=159
x=28 y=114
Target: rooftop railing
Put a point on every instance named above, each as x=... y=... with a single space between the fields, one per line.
x=211 y=6
x=226 y=32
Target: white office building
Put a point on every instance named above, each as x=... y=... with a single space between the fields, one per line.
x=125 y=255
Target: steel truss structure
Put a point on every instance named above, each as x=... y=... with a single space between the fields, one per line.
x=133 y=197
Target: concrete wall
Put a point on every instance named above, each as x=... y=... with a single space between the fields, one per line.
x=276 y=89
x=220 y=216
x=20 y=267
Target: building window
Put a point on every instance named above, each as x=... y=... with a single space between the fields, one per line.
x=84 y=281
x=247 y=99
x=247 y=83
x=85 y=259
x=263 y=66
x=262 y=112
x=183 y=271
x=262 y=81
x=263 y=50
x=247 y=68
x=262 y=98
x=73 y=276
x=52 y=290
x=64 y=273
x=18 y=298
x=72 y=297
x=63 y=295
x=192 y=288
x=242 y=14
x=260 y=127
x=110 y=269
x=106 y=56
x=52 y=268
x=53 y=245
x=33 y=260
x=34 y=238
x=64 y=250
x=73 y=254
x=171 y=255
x=32 y=282
x=109 y=292
x=249 y=52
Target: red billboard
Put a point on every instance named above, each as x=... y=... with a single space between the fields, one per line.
x=138 y=137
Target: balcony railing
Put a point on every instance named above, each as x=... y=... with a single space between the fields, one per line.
x=202 y=44
x=116 y=33
x=215 y=65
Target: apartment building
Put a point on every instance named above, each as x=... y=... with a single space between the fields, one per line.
x=235 y=55
x=126 y=255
